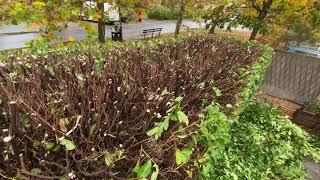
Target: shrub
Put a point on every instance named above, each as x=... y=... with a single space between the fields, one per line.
x=264 y=145
x=162 y=13
x=165 y=13
x=86 y=111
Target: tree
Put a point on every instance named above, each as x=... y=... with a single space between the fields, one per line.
x=182 y=5
x=52 y=16
x=48 y=15
x=257 y=21
x=101 y=22
x=304 y=28
x=262 y=16
x=220 y=15
x=182 y=10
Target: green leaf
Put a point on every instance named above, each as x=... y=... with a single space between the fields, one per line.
x=36 y=171
x=56 y=148
x=145 y=170
x=182 y=117
x=68 y=144
x=92 y=129
x=153 y=131
x=49 y=146
x=213 y=109
x=14 y=22
x=217 y=91
x=137 y=167
x=183 y=157
x=108 y=159
x=155 y=173
x=170 y=109
x=173 y=117
x=229 y=106
x=201 y=85
x=178 y=99
x=36 y=144
x=165 y=124
x=64 y=178
x=164 y=92
x=182 y=136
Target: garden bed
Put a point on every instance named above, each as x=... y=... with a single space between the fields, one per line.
x=114 y=112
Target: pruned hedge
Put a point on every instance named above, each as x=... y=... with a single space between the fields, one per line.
x=120 y=111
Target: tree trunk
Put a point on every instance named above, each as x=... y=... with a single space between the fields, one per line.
x=254 y=34
x=120 y=19
x=101 y=24
x=212 y=29
x=180 y=19
x=262 y=14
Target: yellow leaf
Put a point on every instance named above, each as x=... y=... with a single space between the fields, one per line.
x=39 y=4
x=70 y=38
x=62 y=124
x=96 y=17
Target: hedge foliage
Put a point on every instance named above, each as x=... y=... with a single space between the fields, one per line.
x=115 y=111
x=256 y=141
x=161 y=109
x=265 y=145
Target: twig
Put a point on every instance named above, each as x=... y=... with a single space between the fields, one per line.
x=6 y=177
x=23 y=166
x=14 y=127
x=37 y=175
x=75 y=126
x=56 y=164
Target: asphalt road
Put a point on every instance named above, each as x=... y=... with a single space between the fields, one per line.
x=12 y=37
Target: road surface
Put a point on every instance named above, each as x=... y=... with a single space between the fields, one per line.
x=12 y=37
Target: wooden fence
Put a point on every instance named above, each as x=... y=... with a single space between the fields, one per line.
x=293 y=76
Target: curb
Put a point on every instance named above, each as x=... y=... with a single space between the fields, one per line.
x=18 y=33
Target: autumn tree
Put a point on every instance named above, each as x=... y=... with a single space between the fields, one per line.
x=220 y=15
x=49 y=16
x=182 y=6
x=304 y=28
x=52 y=16
x=262 y=16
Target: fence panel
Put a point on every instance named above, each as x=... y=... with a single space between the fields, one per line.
x=293 y=76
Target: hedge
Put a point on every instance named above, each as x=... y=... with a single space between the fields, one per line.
x=162 y=109
x=255 y=141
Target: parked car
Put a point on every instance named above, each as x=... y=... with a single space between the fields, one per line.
x=112 y=13
x=303 y=50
